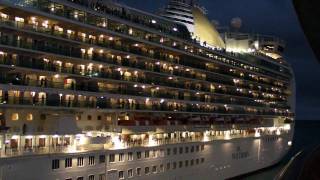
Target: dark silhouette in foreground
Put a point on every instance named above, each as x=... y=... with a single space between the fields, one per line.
x=311 y=168
x=308 y=12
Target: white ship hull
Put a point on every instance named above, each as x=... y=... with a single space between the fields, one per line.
x=222 y=159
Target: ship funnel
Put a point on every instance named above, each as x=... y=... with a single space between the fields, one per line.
x=193 y=16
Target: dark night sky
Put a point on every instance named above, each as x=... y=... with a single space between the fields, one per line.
x=271 y=17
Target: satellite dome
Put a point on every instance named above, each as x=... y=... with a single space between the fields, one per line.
x=236 y=23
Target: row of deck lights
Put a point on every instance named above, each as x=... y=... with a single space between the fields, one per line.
x=117 y=142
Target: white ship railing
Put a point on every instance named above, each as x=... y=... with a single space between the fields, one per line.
x=70 y=149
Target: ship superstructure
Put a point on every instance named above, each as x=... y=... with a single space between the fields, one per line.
x=98 y=90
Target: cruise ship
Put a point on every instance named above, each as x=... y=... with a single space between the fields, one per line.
x=97 y=90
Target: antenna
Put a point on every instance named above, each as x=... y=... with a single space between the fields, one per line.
x=188 y=2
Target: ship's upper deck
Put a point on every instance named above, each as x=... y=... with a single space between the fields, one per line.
x=166 y=28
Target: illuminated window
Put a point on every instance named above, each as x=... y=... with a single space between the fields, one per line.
x=18 y=19
x=130 y=31
x=30 y=117
x=70 y=31
x=15 y=117
x=4 y=16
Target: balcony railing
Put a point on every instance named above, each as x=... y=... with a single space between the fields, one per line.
x=16 y=80
x=24 y=151
x=103 y=74
x=57 y=100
